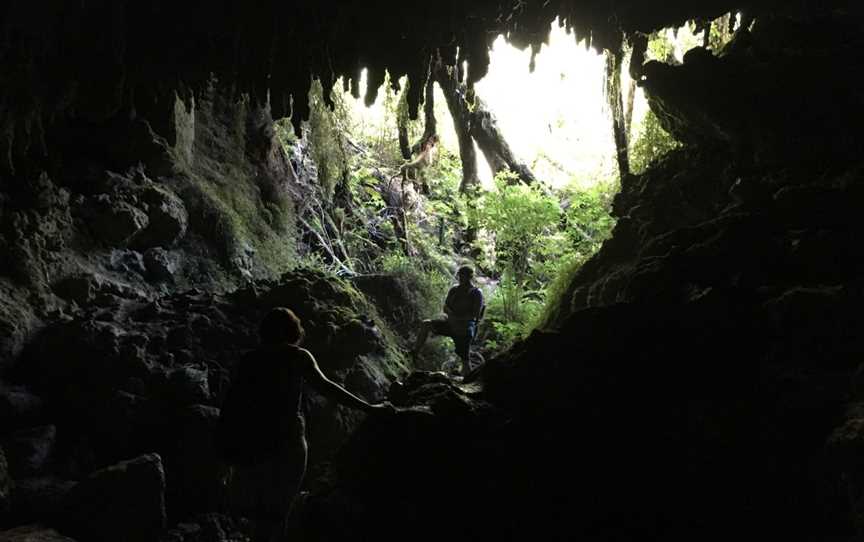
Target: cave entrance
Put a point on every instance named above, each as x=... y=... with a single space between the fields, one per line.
x=518 y=181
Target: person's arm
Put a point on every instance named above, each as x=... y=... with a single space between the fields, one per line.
x=448 y=310
x=329 y=389
x=476 y=304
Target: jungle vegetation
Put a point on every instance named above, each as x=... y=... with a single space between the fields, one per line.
x=522 y=191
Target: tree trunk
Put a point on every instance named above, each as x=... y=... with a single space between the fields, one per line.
x=430 y=128
x=485 y=130
x=613 y=95
x=628 y=113
x=446 y=78
x=479 y=124
x=402 y=124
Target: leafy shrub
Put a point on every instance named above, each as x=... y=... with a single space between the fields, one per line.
x=521 y=216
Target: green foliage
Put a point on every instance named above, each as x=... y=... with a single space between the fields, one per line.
x=510 y=313
x=588 y=222
x=660 y=48
x=650 y=143
x=720 y=34
x=445 y=200
x=536 y=239
x=525 y=235
x=285 y=134
x=519 y=215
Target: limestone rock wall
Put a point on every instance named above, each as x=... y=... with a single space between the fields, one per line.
x=206 y=205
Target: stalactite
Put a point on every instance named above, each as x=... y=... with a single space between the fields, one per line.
x=374 y=80
x=639 y=45
x=80 y=58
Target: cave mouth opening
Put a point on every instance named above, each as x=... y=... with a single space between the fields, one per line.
x=552 y=113
x=554 y=117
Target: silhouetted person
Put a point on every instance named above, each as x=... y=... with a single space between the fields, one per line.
x=463 y=309
x=262 y=430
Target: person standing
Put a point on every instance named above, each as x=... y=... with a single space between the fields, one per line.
x=463 y=308
x=262 y=432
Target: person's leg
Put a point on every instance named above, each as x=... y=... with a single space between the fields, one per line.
x=248 y=489
x=462 y=350
x=463 y=347
x=292 y=480
x=286 y=478
x=434 y=326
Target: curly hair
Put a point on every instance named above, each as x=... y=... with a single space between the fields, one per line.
x=281 y=325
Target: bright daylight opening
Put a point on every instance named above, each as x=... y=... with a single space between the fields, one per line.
x=525 y=199
x=555 y=117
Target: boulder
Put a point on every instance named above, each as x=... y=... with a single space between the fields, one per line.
x=125 y=501
x=161 y=264
x=188 y=385
x=393 y=298
x=168 y=219
x=128 y=262
x=114 y=222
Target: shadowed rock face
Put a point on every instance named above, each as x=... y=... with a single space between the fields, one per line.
x=777 y=92
x=139 y=376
